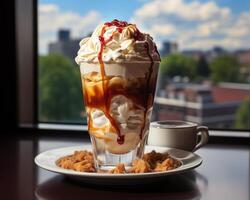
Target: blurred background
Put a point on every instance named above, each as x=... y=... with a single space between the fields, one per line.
x=204 y=77
x=204 y=46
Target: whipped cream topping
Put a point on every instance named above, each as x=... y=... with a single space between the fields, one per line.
x=123 y=44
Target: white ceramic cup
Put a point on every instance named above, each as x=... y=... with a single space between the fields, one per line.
x=178 y=134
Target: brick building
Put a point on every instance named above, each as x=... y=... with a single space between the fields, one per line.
x=214 y=106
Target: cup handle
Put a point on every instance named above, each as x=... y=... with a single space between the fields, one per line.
x=203 y=132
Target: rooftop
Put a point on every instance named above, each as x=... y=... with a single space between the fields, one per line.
x=228 y=92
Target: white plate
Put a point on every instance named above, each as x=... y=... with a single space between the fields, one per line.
x=47 y=159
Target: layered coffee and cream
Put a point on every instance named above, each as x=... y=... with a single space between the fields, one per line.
x=119 y=67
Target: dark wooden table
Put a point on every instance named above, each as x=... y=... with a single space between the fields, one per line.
x=224 y=174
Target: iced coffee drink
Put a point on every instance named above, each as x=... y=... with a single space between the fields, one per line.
x=119 y=67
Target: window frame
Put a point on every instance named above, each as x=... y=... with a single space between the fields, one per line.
x=26 y=48
x=26 y=18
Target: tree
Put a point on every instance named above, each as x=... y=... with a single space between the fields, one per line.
x=60 y=97
x=178 y=65
x=225 y=68
x=203 y=69
x=243 y=115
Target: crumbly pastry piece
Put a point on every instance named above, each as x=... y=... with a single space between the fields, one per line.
x=83 y=161
x=140 y=166
x=167 y=164
x=153 y=158
x=119 y=169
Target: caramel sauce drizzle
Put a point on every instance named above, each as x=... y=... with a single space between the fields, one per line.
x=103 y=100
x=147 y=89
x=120 y=25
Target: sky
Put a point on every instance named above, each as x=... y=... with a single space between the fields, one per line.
x=193 y=24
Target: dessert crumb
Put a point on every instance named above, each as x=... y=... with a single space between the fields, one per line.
x=140 y=166
x=83 y=161
x=119 y=169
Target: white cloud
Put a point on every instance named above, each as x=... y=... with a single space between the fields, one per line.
x=194 y=24
x=226 y=42
x=48 y=8
x=194 y=10
x=166 y=29
x=241 y=26
x=51 y=18
x=208 y=28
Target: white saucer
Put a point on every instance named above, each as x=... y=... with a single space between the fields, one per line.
x=47 y=159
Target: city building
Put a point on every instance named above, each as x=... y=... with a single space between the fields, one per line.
x=244 y=60
x=169 y=47
x=196 y=54
x=65 y=45
x=208 y=54
x=244 y=57
x=214 y=106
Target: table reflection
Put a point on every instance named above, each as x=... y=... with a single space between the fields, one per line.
x=182 y=186
x=224 y=174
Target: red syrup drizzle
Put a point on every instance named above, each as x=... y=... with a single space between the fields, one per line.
x=120 y=25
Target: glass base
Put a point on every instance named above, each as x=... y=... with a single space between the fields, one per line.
x=105 y=160
x=111 y=160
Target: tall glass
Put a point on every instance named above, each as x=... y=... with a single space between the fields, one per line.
x=118 y=100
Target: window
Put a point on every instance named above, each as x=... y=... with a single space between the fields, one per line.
x=205 y=69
